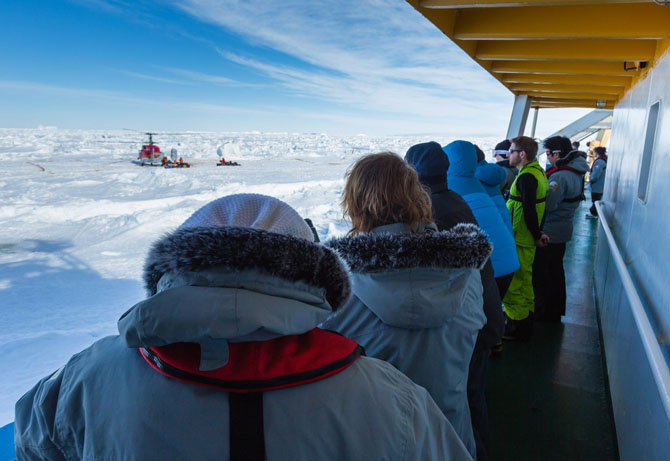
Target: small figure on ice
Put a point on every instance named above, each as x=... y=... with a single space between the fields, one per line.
x=230 y=147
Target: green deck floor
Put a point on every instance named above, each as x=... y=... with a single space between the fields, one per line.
x=548 y=398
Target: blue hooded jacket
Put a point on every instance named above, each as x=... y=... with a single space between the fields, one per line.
x=461 y=178
x=418 y=305
x=213 y=287
x=491 y=176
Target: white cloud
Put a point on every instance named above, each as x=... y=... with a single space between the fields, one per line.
x=191 y=78
x=209 y=78
x=375 y=55
x=115 y=97
x=155 y=78
x=374 y=96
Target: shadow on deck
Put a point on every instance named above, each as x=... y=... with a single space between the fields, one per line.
x=548 y=399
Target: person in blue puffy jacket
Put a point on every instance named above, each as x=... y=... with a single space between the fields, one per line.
x=461 y=178
x=492 y=176
x=223 y=360
x=417 y=299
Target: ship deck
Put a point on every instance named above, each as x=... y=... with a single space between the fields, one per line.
x=549 y=398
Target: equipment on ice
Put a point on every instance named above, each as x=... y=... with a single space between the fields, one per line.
x=229 y=148
x=175 y=163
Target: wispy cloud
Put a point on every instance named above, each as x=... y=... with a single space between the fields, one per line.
x=154 y=78
x=370 y=93
x=190 y=78
x=209 y=78
x=115 y=97
x=375 y=55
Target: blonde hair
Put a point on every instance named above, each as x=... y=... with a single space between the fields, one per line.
x=382 y=189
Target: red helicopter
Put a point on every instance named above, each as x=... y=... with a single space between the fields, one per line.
x=150 y=153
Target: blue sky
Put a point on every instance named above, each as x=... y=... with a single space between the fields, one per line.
x=337 y=66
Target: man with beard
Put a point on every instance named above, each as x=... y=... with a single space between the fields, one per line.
x=526 y=204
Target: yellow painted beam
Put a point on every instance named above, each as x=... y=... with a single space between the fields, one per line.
x=662 y=47
x=601 y=21
x=547 y=79
x=507 y=3
x=558 y=68
x=442 y=19
x=561 y=88
x=541 y=95
x=570 y=50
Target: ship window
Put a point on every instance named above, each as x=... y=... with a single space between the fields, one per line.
x=649 y=138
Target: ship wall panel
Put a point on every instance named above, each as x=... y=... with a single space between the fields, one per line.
x=640 y=229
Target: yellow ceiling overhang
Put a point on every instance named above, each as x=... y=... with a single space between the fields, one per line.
x=575 y=53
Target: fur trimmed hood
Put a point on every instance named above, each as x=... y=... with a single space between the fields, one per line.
x=238 y=248
x=417 y=281
x=463 y=246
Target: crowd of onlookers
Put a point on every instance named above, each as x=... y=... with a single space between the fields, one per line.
x=256 y=341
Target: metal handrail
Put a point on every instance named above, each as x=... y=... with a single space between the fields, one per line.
x=659 y=367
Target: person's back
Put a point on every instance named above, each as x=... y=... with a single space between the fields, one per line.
x=449 y=210
x=417 y=292
x=597 y=178
x=112 y=405
x=461 y=178
x=566 y=188
x=224 y=351
x=418 y=305
x=597 y=174
x=491 y=176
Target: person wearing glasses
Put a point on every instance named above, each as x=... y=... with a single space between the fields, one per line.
x=526 y=204
x=566 y=190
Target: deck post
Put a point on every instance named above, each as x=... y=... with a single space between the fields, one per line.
x=517 y=122
x=532 y=130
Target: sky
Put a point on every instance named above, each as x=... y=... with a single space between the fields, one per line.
x=335 y=66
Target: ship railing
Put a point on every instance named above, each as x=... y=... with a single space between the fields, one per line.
x=659 y=366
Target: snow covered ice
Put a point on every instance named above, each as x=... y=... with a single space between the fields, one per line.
x=78 y=216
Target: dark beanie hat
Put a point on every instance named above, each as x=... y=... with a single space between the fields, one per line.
x=429 y=160
x=503 y=145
